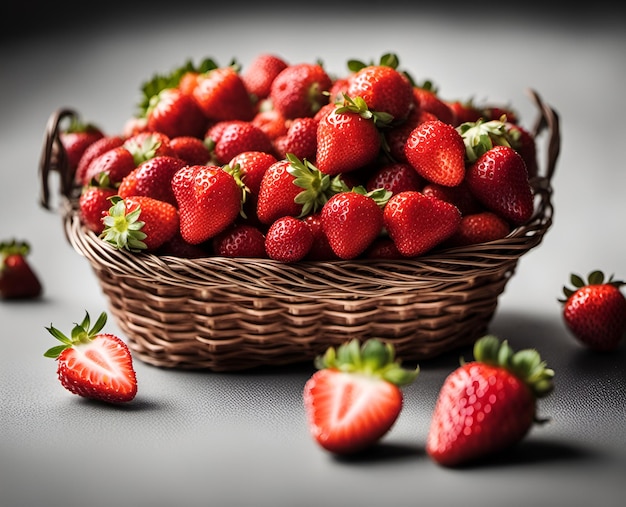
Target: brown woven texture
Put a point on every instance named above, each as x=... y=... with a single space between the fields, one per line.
x=226 y=314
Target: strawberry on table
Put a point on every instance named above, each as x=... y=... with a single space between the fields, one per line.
x=594 y=310
x=488 y=405
x=355 y=396
x=18 y=280
x=93 y=364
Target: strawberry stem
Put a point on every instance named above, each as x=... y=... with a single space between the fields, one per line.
x=81 y=333
x=525 y=364
x=373 y=357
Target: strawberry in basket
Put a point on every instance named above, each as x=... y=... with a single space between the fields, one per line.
x=355 y=396
x=93 y=364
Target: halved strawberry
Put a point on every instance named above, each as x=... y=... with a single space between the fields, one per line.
x=355 y=397
x=93 y=364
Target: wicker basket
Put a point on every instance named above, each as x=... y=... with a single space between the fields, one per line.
x=226 y=314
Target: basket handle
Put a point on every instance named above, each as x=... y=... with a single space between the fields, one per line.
x=548 y=118
x=54 y=158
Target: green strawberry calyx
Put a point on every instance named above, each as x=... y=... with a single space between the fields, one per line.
x=525 y=364
x=13 y=247
x=122 y=230
x=480 y=136
x=359 y=106
x=596 y=277
x=81 y=333
x=315 y=184
x=372 y=357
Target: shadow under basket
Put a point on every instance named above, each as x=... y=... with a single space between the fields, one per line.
x=226 y=314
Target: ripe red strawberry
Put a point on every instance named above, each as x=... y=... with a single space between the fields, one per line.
x=299 y=90
x=260 y=73
x=291 y=187
x=499 y=180
x=175 y=114
x=479 y=228
x=300 y=139
x=209 y=200
x=229 y=138
x=355 y=396
x=271 y=122
x=253 y=165
x=396 y=135
x=114 y=164
x=146 y=145
x=76 y=139
x=93 y=364
x=288 y=239
x=178 y=247
x=240 y=240
x=524 y=143
x=347 y=138
x=320 y=249
x=383 y=88
x=488 y=405
x=139 y=223
x=18 y=280
x=594 y=311
x=352 y=220
x=94 y=203
x=222 y=95
x=427 y=99
x=192 y=150
x=417 y=223
x=152 y=178
x=93 y=151
x=437 y=152
x=460 y=196
x=395 y=177
x=464 y=111
x=383 y=247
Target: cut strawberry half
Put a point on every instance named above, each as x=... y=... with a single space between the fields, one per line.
x=354 y=398
x=93 y=364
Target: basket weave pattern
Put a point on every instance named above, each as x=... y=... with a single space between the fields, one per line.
x=226 y=314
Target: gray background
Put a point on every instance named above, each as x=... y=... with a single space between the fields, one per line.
x=201 y=438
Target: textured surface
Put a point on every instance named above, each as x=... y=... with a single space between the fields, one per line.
x=197 y=438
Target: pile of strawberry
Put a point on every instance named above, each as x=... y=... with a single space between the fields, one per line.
x=285 y=161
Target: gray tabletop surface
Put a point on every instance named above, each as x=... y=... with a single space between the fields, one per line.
x=239 y=438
